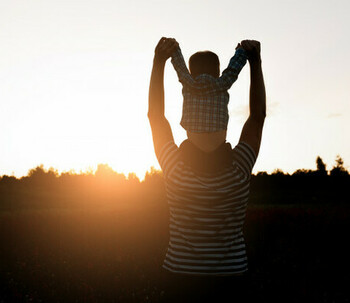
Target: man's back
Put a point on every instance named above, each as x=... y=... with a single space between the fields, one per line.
x=207 y=211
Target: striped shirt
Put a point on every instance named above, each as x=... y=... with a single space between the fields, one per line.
x=207 y=212
x=206 y=97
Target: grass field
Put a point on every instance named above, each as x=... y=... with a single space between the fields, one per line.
x=296 y=254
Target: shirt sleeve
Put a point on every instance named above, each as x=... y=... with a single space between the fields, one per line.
x=210 y=84
x=230 y=74
x=168 y=157
x=213 y=85
x=181 y=69
x=244 y=156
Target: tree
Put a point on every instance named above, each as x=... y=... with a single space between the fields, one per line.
x=262 y=174
x=40 y=175
x=133 y=178
x=302 y=172
x=321 y=167
x=339 y=169
x=278 y=172
x=105 y=172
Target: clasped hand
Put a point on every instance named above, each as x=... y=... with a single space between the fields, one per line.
x=165 y=48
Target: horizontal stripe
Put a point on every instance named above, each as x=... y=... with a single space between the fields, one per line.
x=173 y=232
x=227 y=183
x=203 y=209
x=213 y=273
x=209 y=178
x=220 y=215
x=181 y=188
x=201 y=234
x=227 y=206
x=205 y=256
x=178 y=247
x=205 y=221
x=199 y=268
x=206 y=227
x=206 y=261
x=164 y=150
x=249 y=151
x=218 y=183
x=233 y=245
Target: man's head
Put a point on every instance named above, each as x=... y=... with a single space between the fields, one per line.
x=205 y=62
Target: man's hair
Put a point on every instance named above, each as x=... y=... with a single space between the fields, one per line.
x=204 y=62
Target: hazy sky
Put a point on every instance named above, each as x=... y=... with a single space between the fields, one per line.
x=74 y=79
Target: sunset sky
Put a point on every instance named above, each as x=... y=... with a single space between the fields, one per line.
x=74 y=78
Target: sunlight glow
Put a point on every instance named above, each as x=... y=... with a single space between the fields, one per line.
x=74 y=80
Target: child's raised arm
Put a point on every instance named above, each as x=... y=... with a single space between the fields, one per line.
x=228 y=77
x=181 y=69
x=230 y=74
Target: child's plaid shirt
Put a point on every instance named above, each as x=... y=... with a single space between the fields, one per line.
x=206 y=97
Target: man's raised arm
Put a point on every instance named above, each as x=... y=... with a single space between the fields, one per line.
x=161 y=130
x=252 y=130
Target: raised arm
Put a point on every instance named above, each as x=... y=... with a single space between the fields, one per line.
x=161 y=130
x=230 y=74
x=224 y=82
x=181 y=69
x=252 y=129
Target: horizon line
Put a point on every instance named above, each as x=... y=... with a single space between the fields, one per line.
x=107 y=168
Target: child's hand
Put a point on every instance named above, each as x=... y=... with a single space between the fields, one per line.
x=165 y=48
x=238 y=46
x=252 y=47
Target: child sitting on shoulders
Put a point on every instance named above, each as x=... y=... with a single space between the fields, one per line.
x=205 y=97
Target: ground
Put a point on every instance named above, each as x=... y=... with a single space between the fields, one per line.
x=296 y=254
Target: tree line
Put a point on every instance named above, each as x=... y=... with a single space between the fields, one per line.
x=46 y=188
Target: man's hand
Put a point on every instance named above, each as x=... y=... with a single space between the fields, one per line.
x=165 y=48
x=252 y=47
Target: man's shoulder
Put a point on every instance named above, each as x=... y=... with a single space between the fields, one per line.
x=244 y=156
x=167 y=157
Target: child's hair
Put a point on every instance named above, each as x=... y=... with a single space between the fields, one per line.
x=205 y=62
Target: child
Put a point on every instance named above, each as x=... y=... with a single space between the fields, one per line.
x=205 y=112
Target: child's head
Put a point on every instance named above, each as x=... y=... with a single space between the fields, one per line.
x=205 y=62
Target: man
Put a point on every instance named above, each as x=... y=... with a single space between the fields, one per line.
x=207 y=192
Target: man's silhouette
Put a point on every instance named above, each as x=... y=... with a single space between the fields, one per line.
x=207 y=193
